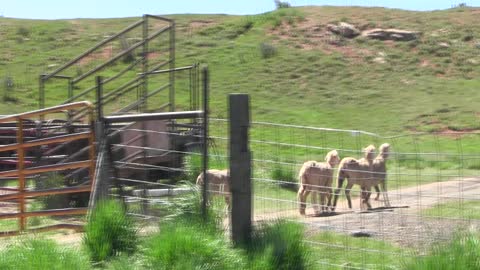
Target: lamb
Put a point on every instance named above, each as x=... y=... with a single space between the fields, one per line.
x=380 y=173
x=317 y=177
x=356 y=172
x=218 y=183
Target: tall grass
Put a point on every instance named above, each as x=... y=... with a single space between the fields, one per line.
x=187 y=209
x=463 y=252
x=182 y=246
x=109 y=232
x=41 y=254
x=279 y=246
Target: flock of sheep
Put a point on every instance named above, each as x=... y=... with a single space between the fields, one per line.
x=316 y=178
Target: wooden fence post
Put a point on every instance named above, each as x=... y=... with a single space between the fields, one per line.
x=240 y=169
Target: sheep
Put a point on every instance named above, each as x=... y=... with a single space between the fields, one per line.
x=380 y=173
x=218 y=183
x=356 y=172
x=317 y=177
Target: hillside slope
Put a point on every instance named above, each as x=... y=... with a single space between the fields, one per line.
x=295 y=69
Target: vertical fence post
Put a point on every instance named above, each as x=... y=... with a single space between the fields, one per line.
x=99 y=96
x=41 y=94
x=205 y=142
x=240 y=169
x=21 y=173
x=100 y=184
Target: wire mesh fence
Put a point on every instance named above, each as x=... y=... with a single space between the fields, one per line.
x=431 y=181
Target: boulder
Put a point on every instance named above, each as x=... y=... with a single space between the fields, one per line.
x=390 y=34
x=344 y=29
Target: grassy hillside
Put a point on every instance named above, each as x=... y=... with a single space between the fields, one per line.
x=294 y=70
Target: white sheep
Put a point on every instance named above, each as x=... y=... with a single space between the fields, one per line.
x=317 y=177
x=357 y=172
x=218 y=183
x=380 y=173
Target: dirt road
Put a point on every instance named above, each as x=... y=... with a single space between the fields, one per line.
x=403 y=223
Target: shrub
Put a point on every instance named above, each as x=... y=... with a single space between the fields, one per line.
x=279 y=246
x=180 y=246
x=109 y=232
x=279 y=4
x=9 y=90
x=41 y=254
x=23 y=31
x=267 y=50
x=285 y=175
x=52 y=180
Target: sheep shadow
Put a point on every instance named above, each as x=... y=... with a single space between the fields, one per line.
x=325 y=214
x=382 y=209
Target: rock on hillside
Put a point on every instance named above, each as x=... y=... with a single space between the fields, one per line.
x=390 y=34
x=344 y=29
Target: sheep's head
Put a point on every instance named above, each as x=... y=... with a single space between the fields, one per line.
x=332 y=158
x=369 y=153
x=384 y=150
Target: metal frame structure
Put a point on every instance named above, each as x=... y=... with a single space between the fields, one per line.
x=141 y=82
x=22 y=172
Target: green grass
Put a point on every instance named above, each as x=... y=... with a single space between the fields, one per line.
x=183 y=246
x=327 y=85
x=334 y=251
x=460 y=253
x=455 y=209
x=37 y=254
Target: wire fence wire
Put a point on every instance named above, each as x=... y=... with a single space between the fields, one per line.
x=431 y=179
x=156 y=169
x=432 y=185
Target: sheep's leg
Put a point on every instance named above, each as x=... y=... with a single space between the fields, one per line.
x=329 y=198
x=368 y=193
x=377 y=189
x=363 y=198
x=337 y=192
x=348 y=189
x=322 y=200
x=302 y=197
x=385 y=194
x=315 y=201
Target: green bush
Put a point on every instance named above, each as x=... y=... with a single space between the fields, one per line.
x=280 y=4
x=23 y=31
x=180 y=246
x=267 y=50
x=109 y=232
x=285 y=175
x=41 y=254
x=279 y=246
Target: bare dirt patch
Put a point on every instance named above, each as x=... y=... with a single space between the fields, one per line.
x=106 y=53
x=310 y=35
x=199 y=24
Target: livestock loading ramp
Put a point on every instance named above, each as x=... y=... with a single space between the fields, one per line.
x=133 y=71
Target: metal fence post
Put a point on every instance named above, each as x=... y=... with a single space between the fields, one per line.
x=240 y=169
x=205 y=143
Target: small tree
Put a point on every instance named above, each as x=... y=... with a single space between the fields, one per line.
x=281 y=4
